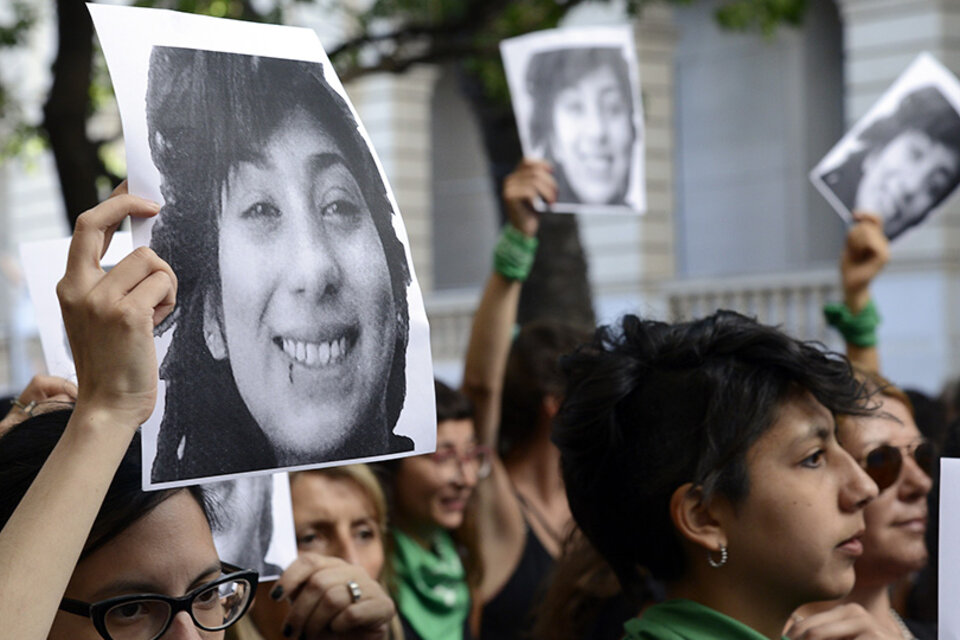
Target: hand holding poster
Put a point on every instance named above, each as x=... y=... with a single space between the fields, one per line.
x=576 y=97
x=253 y=516
x=299 y=338
x=901 y=160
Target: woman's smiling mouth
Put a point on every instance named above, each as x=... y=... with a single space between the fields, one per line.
x=318 y=354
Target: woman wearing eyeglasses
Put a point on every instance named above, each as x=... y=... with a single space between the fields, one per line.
x=85 y=553
x=433 y=546
x=891 y=449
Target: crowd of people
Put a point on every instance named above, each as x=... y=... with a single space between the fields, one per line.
x=710 y=478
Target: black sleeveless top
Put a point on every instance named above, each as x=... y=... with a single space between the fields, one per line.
x=509 y=615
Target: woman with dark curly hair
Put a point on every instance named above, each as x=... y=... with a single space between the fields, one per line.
x=718 y=438
x=290 y=333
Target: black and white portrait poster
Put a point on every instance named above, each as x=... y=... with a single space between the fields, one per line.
x=576 y=97
x=253 y=523
x=901 y=160
x=44 y=262
x=299 y=338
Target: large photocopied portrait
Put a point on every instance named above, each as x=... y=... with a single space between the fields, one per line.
x=902 y=159
x=291 y=324
x=299 y=337
x=576 y=98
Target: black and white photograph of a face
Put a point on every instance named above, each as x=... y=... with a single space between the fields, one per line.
x=297 y=320
x=902 y=159
x=576 y=98
x=253 y=523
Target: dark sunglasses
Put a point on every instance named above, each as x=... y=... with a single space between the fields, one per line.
x=884 y=463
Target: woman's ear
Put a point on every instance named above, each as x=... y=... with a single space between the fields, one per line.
x=695 y=519
x=213 y=327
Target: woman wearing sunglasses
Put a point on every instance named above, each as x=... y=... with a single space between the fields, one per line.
x=891 y=449
x=85 y=553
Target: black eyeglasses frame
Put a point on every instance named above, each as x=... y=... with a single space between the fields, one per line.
x=97 y=611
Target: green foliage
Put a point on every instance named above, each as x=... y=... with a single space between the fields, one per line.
x=765 y=16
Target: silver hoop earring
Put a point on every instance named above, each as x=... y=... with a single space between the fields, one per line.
x=716 y=564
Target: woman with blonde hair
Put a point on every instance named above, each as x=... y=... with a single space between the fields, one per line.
x=338 y=512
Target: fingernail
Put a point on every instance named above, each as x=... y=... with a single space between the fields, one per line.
x=276 y=593
x=287 y=631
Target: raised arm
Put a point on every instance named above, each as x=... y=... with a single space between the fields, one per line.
x=865 y=254
x=109 y=320
x=494 y=320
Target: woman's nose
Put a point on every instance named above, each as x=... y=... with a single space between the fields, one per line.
x=315 y=268
x=182 y=628
x=914 y=481
x=858 y=488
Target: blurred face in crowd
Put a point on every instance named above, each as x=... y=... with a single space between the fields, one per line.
x=798 y=531
x=306 y=314
x=168 y=551
x=593 y=136
x=893 y=545
x=433 y=490
x=334 y=516
x=906 y=177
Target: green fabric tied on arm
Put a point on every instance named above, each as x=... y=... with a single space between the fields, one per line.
x=432 y=592
x=857 y=329
x=513 y=256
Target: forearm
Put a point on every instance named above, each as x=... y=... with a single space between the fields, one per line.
x=41 y=542
x=489 y=347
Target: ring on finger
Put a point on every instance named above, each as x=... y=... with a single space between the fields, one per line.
x=26 y=408
x=355 y=592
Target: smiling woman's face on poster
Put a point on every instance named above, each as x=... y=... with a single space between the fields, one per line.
x=292 y=320
x=308 y=316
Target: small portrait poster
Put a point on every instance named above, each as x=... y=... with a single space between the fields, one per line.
x=44 y=263
x=299 y=338
x=901 y=160
x=576 y=97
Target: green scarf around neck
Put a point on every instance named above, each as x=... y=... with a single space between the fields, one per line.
x=432 y=593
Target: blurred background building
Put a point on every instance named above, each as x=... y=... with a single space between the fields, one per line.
x=733 y=124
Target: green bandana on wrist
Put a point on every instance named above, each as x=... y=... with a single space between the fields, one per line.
x=513 y=256
x=432 y=593
x=860 y=329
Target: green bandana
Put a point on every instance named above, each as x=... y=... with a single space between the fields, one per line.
x=432 y=593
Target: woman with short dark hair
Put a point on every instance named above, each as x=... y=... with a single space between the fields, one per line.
x=717 y=438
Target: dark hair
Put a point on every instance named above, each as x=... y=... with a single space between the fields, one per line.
x=25 y=448
x=206 y=111
x=451 y=404
x=651 y=406
x=532 y=373
x=924 y=109
x=550 y=72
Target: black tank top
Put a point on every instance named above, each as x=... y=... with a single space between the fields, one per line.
x=509 y=615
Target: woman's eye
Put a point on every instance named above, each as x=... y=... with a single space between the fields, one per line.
x=341 y=207
x=261 y=210
x=306 y=540
x=129 y=613
x=366 y=534
x=814 y=460
x=210 y=598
